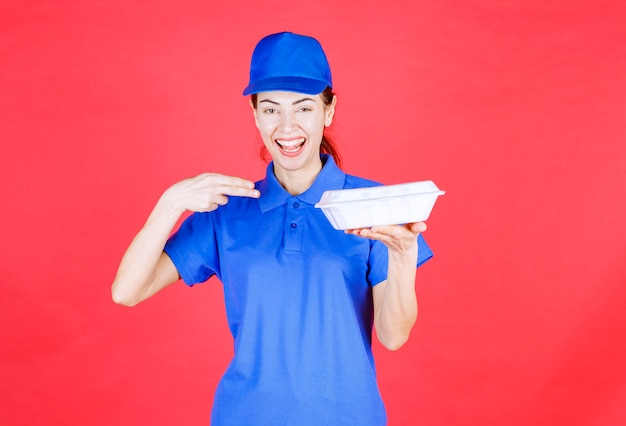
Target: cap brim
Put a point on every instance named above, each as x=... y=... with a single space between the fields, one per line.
x=283 y=84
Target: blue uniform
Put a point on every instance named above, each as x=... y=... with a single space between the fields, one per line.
x=298 y=301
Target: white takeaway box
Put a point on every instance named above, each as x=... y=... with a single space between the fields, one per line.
x=379 y=205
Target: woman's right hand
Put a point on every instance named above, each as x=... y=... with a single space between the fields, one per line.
x=208 y=191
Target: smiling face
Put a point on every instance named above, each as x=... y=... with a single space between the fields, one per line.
x=291 y=126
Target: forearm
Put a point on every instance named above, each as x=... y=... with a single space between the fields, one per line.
x=144 y=269
x=397 y=311
x=137 y=269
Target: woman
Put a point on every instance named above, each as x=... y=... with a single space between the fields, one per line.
x=300 y=296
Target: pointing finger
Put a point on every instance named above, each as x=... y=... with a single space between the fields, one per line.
x=232 y=185
x=239 y=191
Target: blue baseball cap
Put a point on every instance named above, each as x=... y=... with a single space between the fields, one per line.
x=288 y=62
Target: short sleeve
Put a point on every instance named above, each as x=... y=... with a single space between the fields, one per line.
x=424 y=253
x=193 y=249
x=377 y=267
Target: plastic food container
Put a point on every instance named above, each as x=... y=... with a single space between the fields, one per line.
x=379 y=205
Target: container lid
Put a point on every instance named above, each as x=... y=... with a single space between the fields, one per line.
x=340 y=196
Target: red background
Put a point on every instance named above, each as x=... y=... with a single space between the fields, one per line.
x=516 y=108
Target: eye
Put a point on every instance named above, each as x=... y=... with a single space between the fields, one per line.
x=305 y=109
x=270 y=111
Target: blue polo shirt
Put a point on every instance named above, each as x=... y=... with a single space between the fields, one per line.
x=299 y=305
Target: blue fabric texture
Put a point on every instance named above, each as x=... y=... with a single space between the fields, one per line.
x=298 y=301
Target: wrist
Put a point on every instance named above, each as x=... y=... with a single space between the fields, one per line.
x=405 y=253
x=168 y=207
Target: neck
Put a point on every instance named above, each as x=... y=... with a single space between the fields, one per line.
x=297 y=181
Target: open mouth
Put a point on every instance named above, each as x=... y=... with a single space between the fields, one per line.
x=292 y=146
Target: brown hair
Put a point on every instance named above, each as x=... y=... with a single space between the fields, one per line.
x=327 y=146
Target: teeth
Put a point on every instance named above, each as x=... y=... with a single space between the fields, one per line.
x=291 y=143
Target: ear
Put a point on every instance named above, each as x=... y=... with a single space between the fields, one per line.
x=330 y=112
x=254 y=113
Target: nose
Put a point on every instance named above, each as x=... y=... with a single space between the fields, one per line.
x=287 y=122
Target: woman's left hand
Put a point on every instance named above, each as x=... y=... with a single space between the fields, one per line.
x=398 y=238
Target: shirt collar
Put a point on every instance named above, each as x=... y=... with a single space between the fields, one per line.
x=274 y=195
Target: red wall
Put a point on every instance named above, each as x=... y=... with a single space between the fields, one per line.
x=515 y=108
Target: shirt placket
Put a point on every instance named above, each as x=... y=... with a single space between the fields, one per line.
x=294 y=226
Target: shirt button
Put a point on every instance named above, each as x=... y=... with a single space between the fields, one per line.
x=296 y=205
x=294 y=225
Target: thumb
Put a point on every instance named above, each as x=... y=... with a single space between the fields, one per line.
x=417 y=227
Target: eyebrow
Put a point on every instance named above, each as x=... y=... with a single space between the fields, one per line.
x=294 y=103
